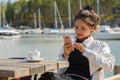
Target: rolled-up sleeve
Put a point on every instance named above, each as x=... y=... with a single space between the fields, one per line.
x=101 y=57
x=61 y=58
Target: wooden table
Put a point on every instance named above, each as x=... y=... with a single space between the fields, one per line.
x=15 y=68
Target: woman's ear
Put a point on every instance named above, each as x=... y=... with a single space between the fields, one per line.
x=92 y=29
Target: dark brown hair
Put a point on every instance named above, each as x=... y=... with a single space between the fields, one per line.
x=89 y=16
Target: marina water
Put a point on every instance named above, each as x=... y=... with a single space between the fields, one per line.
x=48 y=45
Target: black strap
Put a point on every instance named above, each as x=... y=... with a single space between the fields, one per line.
x=77 y=76
x=90 y=78
x=95 y=73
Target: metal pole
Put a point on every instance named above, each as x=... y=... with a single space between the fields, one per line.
x=80 y=4
x=0 y=14
x=59 y=17
x=69 y=12
x=98 y=7
x=35 y=24
x=55 y=13
x=39 y=18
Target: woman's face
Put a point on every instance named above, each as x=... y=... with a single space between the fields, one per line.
x=82 y=30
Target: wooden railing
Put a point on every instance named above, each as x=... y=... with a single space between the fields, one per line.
x=116 y=75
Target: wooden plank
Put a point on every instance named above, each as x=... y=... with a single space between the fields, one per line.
x=50 y=66
x=116 y=69
x=13 y=72
x=45 y=64
x=62 y=64
x=34 y=69
x=6 y=78
x=115 y=77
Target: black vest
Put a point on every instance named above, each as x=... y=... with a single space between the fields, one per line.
x=79 y=64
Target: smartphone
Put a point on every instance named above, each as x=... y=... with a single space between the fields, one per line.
x=67 y=38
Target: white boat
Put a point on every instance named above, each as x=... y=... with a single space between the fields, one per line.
x=67 y=31
x=8 y=34
x=58 y=31
x=30 y=31
x=105 y=32
x=116 y=29
x=50 y=31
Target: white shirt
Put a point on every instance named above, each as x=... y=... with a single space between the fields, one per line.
x=98 y=54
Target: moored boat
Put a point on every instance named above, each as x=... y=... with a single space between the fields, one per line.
x=7 y=34
x=105 y=32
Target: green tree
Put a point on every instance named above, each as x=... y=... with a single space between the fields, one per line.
x=21 y=12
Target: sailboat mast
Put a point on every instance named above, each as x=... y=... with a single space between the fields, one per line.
x=35 y=24
x=55 y=13
x=3 y=16
x=39 y=18
x=0 y=14
x=59 y=17
x=69 y=12
x=80 y=4
x=98 y=7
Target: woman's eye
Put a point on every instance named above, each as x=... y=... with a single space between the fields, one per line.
x=83 y=29
x=80 y=28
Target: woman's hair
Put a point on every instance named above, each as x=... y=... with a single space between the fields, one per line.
x=89 y=16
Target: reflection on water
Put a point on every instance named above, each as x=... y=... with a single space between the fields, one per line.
x=49 y=46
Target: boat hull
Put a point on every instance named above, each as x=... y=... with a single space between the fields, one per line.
x=8 y=34
x=9 y=37
x=112 y=36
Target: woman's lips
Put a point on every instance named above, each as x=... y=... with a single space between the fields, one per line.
x=79 y=35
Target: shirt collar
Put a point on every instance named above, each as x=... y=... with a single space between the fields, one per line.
x=88 y=41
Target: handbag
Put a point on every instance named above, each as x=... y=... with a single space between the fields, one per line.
x=57 y=76
x=83 y=78
x=52 y=76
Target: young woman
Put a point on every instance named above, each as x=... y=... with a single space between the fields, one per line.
x=87 y=57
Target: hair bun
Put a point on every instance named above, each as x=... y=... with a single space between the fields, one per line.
x=87 y=8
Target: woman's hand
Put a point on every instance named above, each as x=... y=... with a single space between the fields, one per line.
x=79 y=47
x=68 y=48
x=68 y=45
